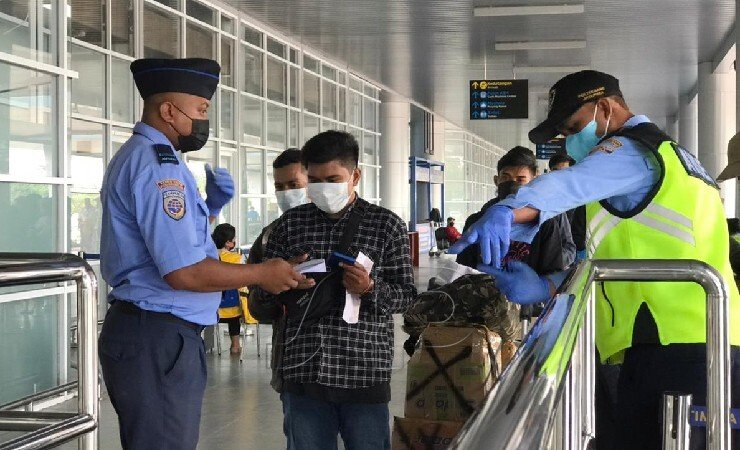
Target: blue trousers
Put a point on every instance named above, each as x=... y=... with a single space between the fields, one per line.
x=155 y=373
x=311 y=424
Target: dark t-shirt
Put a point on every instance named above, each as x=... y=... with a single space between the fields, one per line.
x=551 y=250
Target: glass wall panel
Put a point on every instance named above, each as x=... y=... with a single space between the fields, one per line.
x=227 y=115
x=355 y=109
x=295 y=82
x=200 y=42
x=310 y=63
x=276 y=126
x=275 y=47
x=252 y=70
x=293 y=129
x=329 y=97
x=227 y=24
x=276 y=79
x=201 y=12
x=252 y=223
x=123 y=95
x=311 y=93
x=28 y=141
x=86 y=142
x=88 y=91
x=370 y=177
x=253 y=173
x=310 y=127
x=368 y=115
x=342 y=104
x=119 y=136
x=228 y=162
x=174 y=4
x=252 y=36
x=162 y=31
x=197 y=161
x=122 y=26
x=30 y=364
x=227 y=61
x=251 y=119
x=369 y=149
x=27 y=28
x=87 y=21
x=29 y=219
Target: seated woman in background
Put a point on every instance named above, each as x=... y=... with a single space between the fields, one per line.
x=231 y=311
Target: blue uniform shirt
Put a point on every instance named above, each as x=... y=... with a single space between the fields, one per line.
x=619 y=170
x=154 y=222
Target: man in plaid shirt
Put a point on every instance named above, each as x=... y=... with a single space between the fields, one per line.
x=337 y=374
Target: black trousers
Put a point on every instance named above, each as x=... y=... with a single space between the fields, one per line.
x=235 y=325
x=155 y=373
x=647 y=372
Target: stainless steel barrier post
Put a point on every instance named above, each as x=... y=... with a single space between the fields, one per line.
x=718 y=320
x=676 y=421
x=52 y=430
x=536 y=401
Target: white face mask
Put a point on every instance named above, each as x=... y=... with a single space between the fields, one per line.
x=329 y=197
x=291 y=198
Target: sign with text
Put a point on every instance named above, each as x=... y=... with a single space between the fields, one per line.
x=499 y=99
x=549 y=149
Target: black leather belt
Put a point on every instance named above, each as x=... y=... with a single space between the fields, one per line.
x=133 y=310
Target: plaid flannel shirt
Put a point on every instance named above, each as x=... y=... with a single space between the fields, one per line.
x=332 y=352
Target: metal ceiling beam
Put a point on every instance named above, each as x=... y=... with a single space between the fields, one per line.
x=529 y=10
x=540 y=45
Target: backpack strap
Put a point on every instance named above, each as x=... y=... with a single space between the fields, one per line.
x=350 y=229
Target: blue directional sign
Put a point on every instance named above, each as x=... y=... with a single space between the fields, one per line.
x=499 y=99
x=549 y=149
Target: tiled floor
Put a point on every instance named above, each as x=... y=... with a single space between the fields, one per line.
x=240 y=409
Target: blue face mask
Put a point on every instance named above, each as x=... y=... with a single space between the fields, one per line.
x=580 y=144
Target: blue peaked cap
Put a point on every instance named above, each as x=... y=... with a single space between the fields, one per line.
x=195 y=76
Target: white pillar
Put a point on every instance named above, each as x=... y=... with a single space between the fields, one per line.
x=688 y=124
x=716 y=113
x=395 y=149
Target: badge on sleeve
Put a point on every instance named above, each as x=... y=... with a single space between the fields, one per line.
x=173 y=197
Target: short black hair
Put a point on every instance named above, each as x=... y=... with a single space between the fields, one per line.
x=331 y=145
x=559 y=158
x=222 y=234
x=517 y=157
x=286 y=158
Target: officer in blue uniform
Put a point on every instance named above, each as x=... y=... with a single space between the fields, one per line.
x=159 y=259
x=587 y=107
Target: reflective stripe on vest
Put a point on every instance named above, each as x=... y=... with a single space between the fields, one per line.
x=684 y=220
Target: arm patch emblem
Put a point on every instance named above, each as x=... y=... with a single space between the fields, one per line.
x=173 y=202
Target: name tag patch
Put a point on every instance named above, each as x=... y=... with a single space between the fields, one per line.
x=693 y=166
x=165 y=154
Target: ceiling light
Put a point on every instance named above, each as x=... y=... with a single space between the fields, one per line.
x=539 y=45
x=532 y=10
x=549 y=69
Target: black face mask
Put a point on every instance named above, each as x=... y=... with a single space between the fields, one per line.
x=198 y=135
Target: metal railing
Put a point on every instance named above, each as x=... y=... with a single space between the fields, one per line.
x=44 y=429
x=545 y=398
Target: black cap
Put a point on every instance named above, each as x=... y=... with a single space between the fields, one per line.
x=567 y=95
x=195 y=76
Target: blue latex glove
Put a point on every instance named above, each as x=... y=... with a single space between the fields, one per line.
x=580 y=255
x=519 y=283
x=219 y=189
x=492 y=232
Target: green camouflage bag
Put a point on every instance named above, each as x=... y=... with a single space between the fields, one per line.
x=476 y=299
